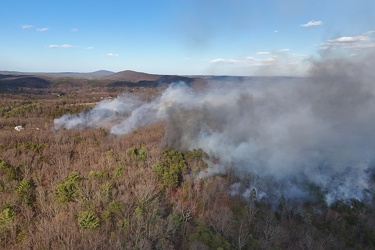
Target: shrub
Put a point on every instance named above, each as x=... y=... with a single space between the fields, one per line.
x=32 y=146
x=88 y=220
x=7 y=214
x=169 y=170
x=112 y=153
x=101 y=175
x=137 y=154
x=26 y=190
x=13 y=173
x=209 y=238
x=66 y=191
x=21 y=235
x=107 y=191
x=118 y=171
x=196 y=159
x=114 y=208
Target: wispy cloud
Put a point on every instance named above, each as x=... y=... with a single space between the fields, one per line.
x=222 y=60
x=42 y=29
x=299 y=55
x=250 y=60
x=90 y=47
x=369 y=32
x=27 y=26
x=365 y=40
x=312 y=23
x=112 y=54
x=30 y=26
x=349 y=39
x=74 y=30
x=270 y=60
x=263 y=53
x=61 y=46
x=272 y=63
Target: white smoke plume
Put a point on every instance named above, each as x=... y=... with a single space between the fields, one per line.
x=289 y=132
x=104 y=114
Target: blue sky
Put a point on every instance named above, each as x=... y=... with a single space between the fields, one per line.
x=232 y=37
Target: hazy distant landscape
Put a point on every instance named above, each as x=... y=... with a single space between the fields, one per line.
x=101 y=77
x=104 y=78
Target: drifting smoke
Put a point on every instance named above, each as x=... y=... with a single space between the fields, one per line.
x=318 y=130
x=104 y=114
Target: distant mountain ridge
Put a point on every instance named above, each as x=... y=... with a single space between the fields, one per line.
x=12 y=80
x=132 y=76
x=90 y=75
x=126 y=75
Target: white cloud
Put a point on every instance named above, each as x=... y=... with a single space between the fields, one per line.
x=222 y=60
x=42 y=29
x=263 y=53
x=284 y=64
x=284 y=50
x=365 y=40
x=27 y=26
x=112 y=54
x=250 y=58
x=90 y=47
x=270 y=60
x=61 y=46
x=217 y=60
x=349 y=39
x=275 y=31
x=74 y=30
x=312 y=23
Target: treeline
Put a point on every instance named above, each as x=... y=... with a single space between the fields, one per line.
x=87 y=189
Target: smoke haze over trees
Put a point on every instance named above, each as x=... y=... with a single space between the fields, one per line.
x=296 y=131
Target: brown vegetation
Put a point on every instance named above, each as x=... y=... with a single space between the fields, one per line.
x=87 y=189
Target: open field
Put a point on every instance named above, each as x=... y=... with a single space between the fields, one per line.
x=89 y=189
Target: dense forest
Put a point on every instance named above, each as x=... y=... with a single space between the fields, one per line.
x=89 y=189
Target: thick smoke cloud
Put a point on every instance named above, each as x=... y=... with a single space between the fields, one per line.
x=289 y=132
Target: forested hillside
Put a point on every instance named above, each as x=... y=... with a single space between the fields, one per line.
x=89 y=189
